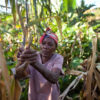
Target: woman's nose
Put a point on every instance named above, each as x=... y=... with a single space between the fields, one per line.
x=45 y=46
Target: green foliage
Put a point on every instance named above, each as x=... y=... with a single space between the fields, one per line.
x=75 y=62
x=24 y=95
x=68 y=5
x=64 y=83
x=81 y=15
x=80 y=10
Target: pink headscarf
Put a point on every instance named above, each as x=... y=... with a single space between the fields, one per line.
x=50 y=34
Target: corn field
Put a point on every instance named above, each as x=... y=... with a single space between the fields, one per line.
x=77 y=28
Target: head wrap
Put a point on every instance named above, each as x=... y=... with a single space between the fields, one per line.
x=49 y=34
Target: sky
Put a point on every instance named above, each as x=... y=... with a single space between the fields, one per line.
x=96 y=2
x=87 y=2
x=2 y=9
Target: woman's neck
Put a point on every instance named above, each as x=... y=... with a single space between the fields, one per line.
x=45 y=58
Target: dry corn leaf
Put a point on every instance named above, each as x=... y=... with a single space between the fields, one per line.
x=2 y=90
x=17 y=90
x=98 y=66
x=97 y=77
x=73 y=72
x=12 y=89
x=5 y=74
x=91 y=70
x=87 y=63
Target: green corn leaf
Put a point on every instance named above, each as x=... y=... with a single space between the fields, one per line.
x=69 y=5
x=13 y=8
x=58 y=19
x=35 y=7
x=65 y=5
x=32 y=7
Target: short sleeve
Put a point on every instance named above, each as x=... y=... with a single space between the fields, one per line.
x=58 y=62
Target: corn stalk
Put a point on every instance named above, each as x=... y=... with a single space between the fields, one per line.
x=91 y=70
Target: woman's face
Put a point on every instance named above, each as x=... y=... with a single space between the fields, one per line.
x=48 y=46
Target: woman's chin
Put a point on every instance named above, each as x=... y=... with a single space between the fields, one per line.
x=46 y=54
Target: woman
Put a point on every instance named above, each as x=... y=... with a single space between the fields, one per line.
x=44 y=68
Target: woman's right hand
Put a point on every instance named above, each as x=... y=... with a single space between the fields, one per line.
x=29 y=55
x=21 y=50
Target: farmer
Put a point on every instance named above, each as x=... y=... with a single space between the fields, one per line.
x=44 y=68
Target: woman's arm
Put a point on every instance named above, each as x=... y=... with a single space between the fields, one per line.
x=20 y=71
x=51 y=76
x=32 y=56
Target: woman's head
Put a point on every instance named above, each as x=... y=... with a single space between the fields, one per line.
x=48 y=43
x=49 y=34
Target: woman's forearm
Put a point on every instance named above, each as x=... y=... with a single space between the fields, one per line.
x=20 y=71
x=49 y=75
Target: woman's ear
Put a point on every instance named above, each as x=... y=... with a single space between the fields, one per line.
x=55 y=48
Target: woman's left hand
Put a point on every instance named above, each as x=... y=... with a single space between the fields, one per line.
x=30 y=56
